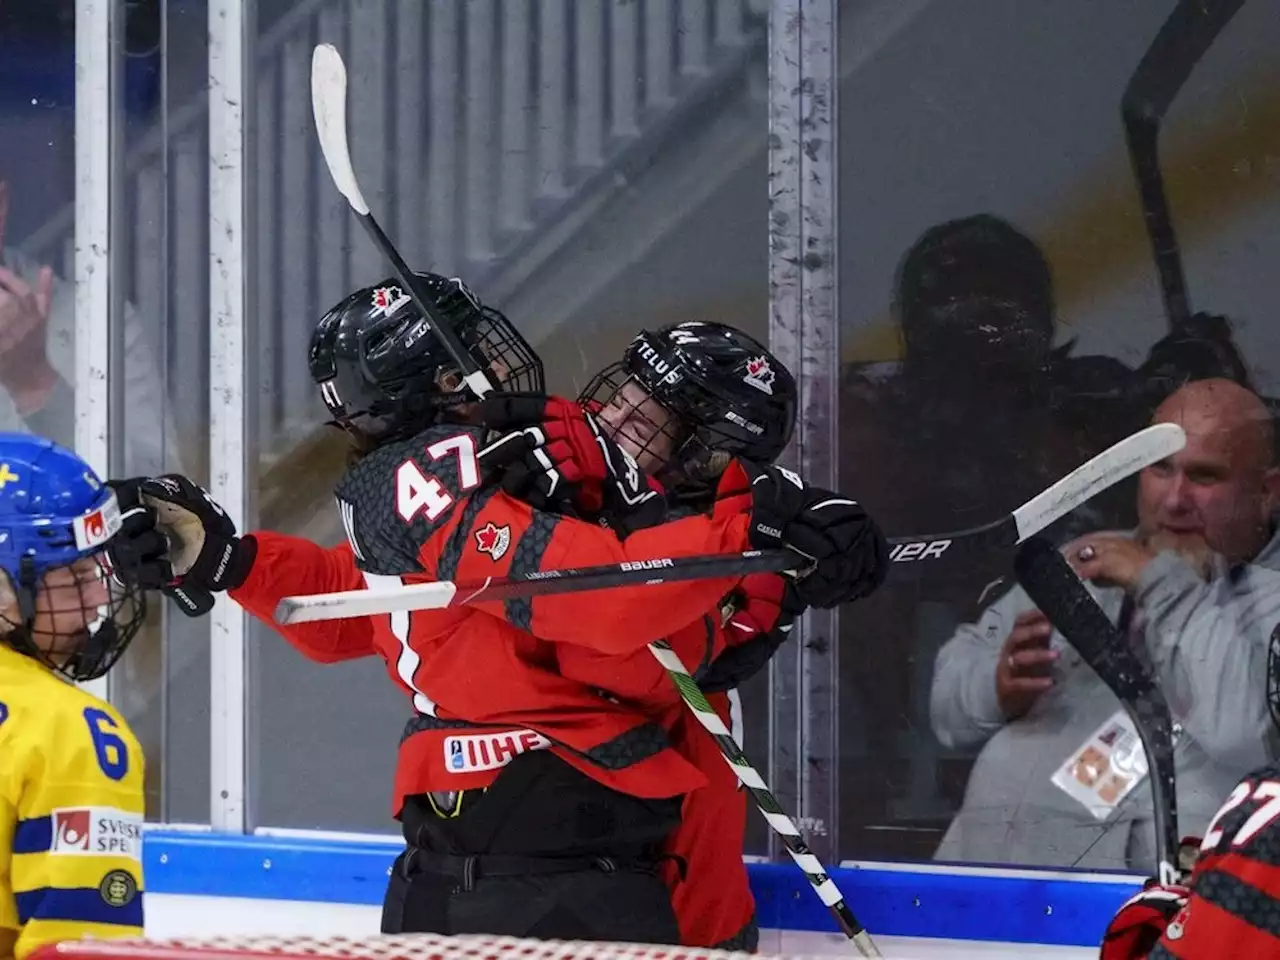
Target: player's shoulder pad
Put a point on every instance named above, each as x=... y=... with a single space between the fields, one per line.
x=79 y=738
x=395 y=498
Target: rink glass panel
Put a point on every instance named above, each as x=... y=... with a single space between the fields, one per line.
x=1013 y=110
x=157 y=263
x=161 y=268
x=590 y=169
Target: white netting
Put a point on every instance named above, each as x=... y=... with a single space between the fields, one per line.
x=400 y=947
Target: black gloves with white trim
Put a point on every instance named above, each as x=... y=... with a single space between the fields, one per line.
x=849 y=554
x=177 y=539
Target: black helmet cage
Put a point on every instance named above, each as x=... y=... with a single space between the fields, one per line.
x=91 y=650
x=975 y=283
x=607 y=389
x=384 y=374
x=721 y=390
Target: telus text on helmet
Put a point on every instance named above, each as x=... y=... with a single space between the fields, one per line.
x=670 y=375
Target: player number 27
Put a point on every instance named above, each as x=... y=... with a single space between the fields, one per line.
x=423 y=493
x=1267 y=791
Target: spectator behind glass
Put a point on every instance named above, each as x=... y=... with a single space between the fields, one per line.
x=981 y=412
x=1196 y=590
x=37 y=361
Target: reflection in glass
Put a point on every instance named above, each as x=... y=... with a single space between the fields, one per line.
x=1002 y=322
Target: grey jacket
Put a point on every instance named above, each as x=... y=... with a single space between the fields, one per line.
x=1207 y=643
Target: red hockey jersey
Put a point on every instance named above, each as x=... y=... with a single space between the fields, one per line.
x=1234 y=907
x=416 y=510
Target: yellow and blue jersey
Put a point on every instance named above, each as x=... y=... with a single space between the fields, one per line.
x=71 y=811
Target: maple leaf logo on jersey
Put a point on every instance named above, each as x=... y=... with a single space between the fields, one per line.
x=493 y=540
x=760 y=375
x=387 y=300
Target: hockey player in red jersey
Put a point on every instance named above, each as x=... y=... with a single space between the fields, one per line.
x=1230 y=905
x=605 y=788
x=683 y=401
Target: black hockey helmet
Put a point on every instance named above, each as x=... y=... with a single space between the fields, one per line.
x=975 y=289
x=721 y=392
x=384 y=374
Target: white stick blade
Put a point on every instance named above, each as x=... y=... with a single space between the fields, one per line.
x=1112 y=465
x=329 y=105
x=363 y=603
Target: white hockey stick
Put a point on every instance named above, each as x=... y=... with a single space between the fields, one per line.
x=329 y=106
x=1109 y=467
x=440 y=594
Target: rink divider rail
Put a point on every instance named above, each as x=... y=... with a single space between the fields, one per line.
x=963 y=902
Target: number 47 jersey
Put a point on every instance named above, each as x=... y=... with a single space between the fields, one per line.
x=71 y=811
x=1234 y=907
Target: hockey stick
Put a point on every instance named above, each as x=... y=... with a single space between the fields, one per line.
x=767 y=803
x=1108 y=468
x=440 y=594
x=329 y=105
x=1112 y=465
x=1185 y=37
x=1054 y=587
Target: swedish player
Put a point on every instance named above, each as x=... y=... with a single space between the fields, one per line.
x=71 y=801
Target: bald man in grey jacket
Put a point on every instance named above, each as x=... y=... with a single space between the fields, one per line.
x=1196 y=589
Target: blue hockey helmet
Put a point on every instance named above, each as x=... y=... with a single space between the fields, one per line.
x=62 y=604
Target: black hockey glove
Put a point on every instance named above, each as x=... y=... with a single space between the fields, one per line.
x=208 y=555
x=850 y=555
x=140 y=552
x=556 y=458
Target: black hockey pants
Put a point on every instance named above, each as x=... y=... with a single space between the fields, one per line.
x=571 y=898
x=544 y=852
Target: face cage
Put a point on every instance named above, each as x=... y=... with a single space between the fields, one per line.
x=512 y=364
x=82 y=639
x=688 y=451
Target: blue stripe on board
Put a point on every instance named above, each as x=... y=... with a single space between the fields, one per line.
x=1051 y=910
x=1048 y=910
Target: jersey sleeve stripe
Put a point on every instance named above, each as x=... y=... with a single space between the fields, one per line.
x=447 y=568
x=531 y=546
x=34 y=835
x=1242 y=899
x=78 y=905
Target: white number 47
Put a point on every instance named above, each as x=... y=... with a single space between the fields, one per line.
x=423 y=493
x=1267 y=791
